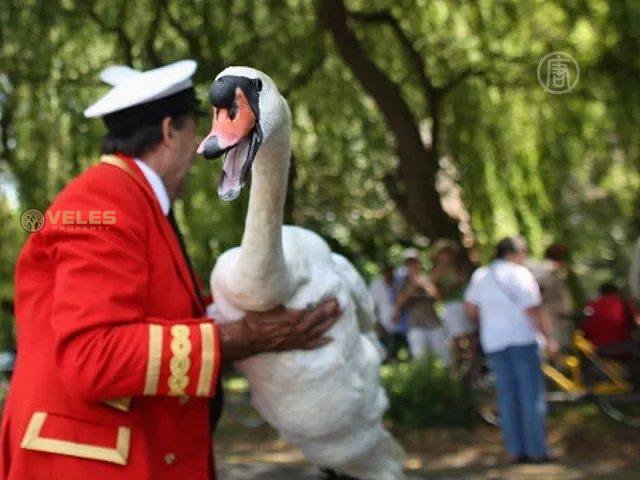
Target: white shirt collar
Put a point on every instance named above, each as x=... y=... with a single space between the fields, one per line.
x=157 y=185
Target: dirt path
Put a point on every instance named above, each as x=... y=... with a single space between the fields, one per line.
x=264 y=471
x=588 y=449
x=274 y=471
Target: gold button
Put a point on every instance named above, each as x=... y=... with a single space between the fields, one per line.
x=169 y=458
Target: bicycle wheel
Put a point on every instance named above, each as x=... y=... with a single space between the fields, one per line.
x=486 y=399
x=623 y=408
x=488 y=411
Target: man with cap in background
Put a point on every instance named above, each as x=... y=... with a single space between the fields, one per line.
x=117 y=361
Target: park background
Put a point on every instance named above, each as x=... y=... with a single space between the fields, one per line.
x=413 y=121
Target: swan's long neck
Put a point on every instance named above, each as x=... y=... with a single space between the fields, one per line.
x=260 y=279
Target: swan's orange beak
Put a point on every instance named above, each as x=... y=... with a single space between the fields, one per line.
x=235 y=131
x=229 y=127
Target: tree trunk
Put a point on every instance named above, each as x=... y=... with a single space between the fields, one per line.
x=413 y=185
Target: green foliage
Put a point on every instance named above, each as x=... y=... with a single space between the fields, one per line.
x=425 y=394
x=11 y=236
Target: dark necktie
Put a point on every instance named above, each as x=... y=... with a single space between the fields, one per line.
x=176 y=229
x=216 y=402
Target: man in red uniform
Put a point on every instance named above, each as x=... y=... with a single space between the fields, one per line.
x=117 y=360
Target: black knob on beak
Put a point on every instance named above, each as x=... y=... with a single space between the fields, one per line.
x=222 y=92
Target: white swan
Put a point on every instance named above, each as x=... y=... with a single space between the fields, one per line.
x=329 y=402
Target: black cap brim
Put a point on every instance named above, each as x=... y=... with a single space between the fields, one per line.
x=128 y=121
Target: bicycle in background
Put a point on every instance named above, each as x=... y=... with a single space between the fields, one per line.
x=581 y=376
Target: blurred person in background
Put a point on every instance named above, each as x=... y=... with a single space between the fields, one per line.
x=416 y=300
x=556 y=296
x=450 y=277
x=7 y=360
x=634 y=272
x=610 y=324
x=506 y=298
x=383 y=289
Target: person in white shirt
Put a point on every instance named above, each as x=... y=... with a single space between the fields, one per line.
x=383 y=290
x=506 y=298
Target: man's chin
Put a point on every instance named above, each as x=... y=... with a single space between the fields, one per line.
x=179 y=191
x=181 y=182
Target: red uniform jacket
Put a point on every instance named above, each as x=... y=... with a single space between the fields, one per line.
x=116 y=359
x=610 y=320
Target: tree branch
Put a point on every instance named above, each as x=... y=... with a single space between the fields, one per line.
x=125 y=42
x=418 y=165
x=215 y=63
x=304 y=76
x=420 y=68
x=152 y=32
x=392 y=183
x=428 y=86
x=384 y=91
x=193 y=41
x=461 y=77
x=5 y=131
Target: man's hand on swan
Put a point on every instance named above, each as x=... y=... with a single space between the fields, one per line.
x=278 y=330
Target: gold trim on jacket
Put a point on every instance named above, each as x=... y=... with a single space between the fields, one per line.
x=154 y=361
x=121 y=404
x=206 y=362
x=33 y=440
x=180 y=363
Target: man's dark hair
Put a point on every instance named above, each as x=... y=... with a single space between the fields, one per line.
x=557 y=252
x=608 y=288
x=510 y=245
x=141 y=141
x=386 y=268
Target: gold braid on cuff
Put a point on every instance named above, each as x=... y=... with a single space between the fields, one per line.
x=180 y=362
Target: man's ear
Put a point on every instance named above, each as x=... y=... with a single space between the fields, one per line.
x=167 y=130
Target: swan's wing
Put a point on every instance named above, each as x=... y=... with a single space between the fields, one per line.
x=359 y=292
x=365 y=308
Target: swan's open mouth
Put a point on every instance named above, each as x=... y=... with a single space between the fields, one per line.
x=235 y=131
x=235 y=171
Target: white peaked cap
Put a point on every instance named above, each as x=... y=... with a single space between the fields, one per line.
x=411 y=254
x=133 y=87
